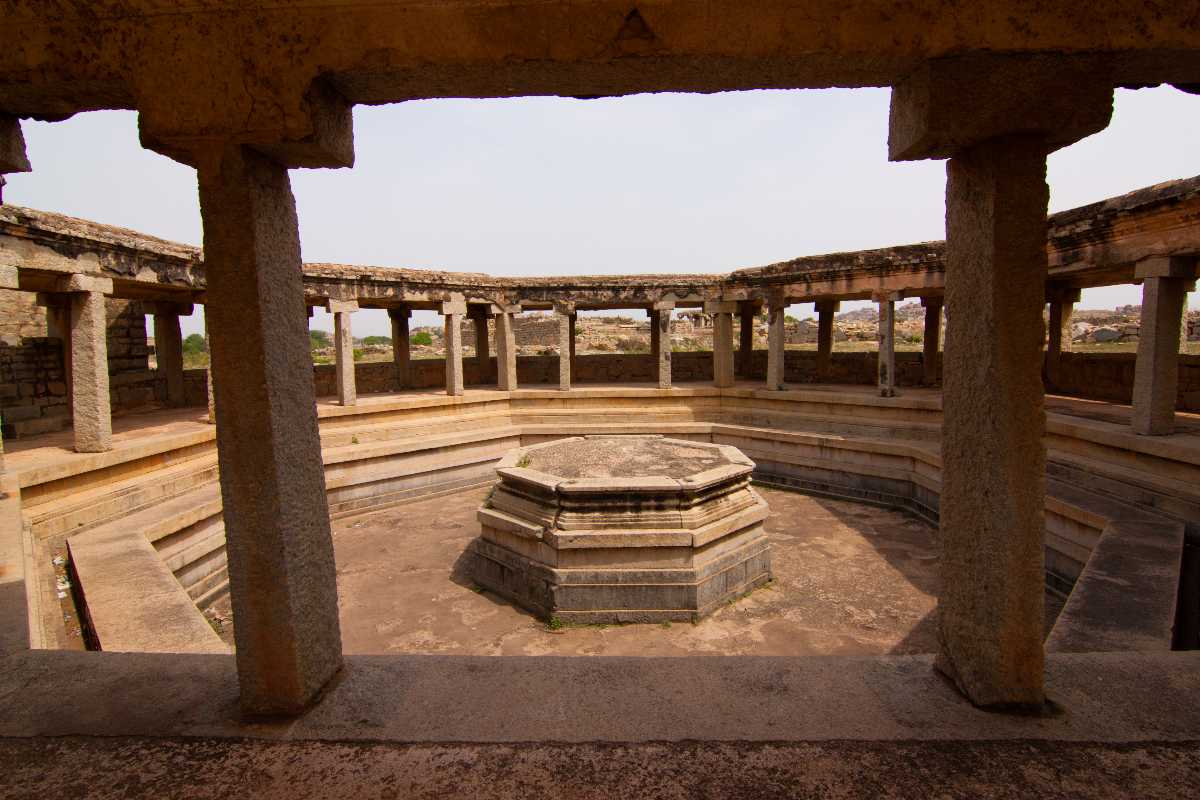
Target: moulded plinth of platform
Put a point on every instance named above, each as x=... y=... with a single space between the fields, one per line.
x=607 y=529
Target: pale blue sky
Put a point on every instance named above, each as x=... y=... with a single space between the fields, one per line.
x=650 y=183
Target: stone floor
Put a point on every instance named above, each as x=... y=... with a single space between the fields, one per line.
x=849 y=580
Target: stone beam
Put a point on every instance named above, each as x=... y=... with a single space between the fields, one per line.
x=12 y=149
x=281 y=567
x=947 y=106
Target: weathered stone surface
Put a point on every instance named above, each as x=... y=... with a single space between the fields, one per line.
x=281 y=571
x=622 y=529
x=89 y=373
x=991 y=608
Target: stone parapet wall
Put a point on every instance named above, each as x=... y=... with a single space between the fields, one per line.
x=1109 y=376
x=34 y=385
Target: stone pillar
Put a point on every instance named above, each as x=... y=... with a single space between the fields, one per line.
x=990 y=609
x=479 y=316
x=566 y=344
x=660 y=341
x=58 y=326
x=401 y=346
x=208 y=373
x=281 y=568
x=825 y=312
x=887 y=342
x=454 y=312
x=1062 y=304
x=776 y=346
x=168 y=347
x=343 y=349
x=574 y=330
x=931 y=341
x=992 y=507
x=506 y=348
x=747 y=311
x=1156 y=377
x=90 y=406
x=722 y=314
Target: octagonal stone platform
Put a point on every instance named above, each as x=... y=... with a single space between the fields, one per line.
x=606 y=529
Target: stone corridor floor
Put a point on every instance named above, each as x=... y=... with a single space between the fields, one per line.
x=849 y=580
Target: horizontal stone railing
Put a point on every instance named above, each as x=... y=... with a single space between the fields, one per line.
x=163 y=495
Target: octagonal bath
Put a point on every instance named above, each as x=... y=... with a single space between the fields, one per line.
x=603 y=529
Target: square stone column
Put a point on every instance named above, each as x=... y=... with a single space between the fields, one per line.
x=401 y=347
x=343 y=349
x=722 y=313
x=992 y=517
x=574 y=337
x=208 y=373
x=660 y=341
x=825 y=313
x=282 y=579
x=1165 y=284
x=931 y=341
x=776 y=346
x=506 y=348
x=168 y=347
x=1062 y=305
x=479 y=316
x=454 y=312
x=887 y=342
x=747 y=311
x=566 y=344
x=91 y=411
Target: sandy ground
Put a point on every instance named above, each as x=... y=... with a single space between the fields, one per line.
x=849 y=579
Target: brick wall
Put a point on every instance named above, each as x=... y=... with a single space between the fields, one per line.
x=20 y=317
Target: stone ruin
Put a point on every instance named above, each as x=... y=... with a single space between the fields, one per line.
x=609 y=529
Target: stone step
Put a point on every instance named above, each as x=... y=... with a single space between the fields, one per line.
x=107 y=502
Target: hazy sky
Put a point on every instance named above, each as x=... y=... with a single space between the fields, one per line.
x=650 y=183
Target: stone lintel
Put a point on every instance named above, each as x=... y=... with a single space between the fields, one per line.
x=1062 y=294
x=341 y=306
x=928 y=300
x=9 y=277
x=949 y=105
x=1167 y=267
x=12 y=146
x=53 y=299
x=164 y=307
x=828 y=306
x=401 y=312
x=887 y=297
x=720 y=306
x=454 y=307
x=313 y=129
x=662 y=305
x=481 y=310
x=87 y=283
x=561 y=307
x=506 y=308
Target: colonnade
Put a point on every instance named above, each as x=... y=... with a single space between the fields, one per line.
x=990 y=614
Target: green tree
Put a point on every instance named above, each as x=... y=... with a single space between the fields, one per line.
x=318 y=340
x=194 y=344
x=370 y=340
x=421 y=337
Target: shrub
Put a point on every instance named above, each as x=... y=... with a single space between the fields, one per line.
x=370 y=340
x=421 y=337
x=194 y=344
x=318 y=340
